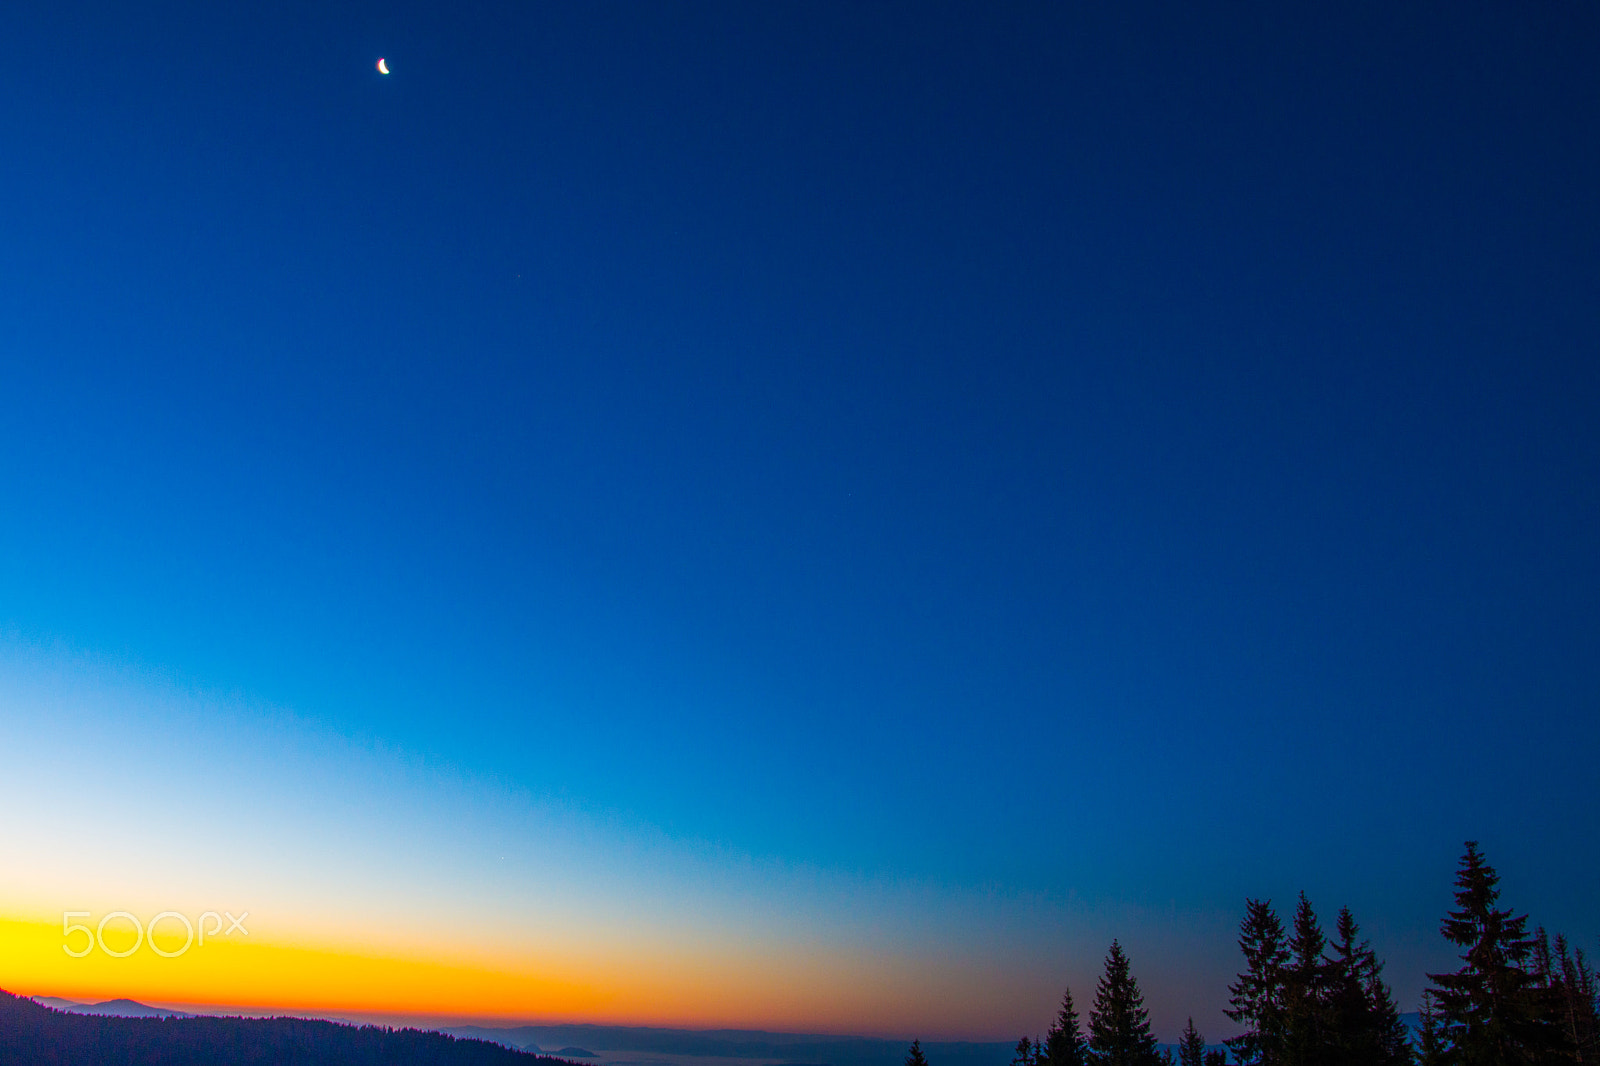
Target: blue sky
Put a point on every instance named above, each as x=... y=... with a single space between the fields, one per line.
x=1136 y=458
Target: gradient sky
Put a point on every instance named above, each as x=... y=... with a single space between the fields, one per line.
x=814 y=516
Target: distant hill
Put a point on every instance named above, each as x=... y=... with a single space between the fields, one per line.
x=32 y=1034
x=58 y=1004
x=114 y=1008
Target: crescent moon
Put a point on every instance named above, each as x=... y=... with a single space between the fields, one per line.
x=383 y=68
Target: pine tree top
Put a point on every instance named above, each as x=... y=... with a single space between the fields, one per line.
x=1064 y=1044
x=1308 y=941
x=1191 y=1046
x=1492 y=1009
x=1477 y=892
x=1119 y=1024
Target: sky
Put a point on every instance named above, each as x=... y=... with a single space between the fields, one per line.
x=795 y=516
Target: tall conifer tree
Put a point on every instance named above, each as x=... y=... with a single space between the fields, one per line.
x=1348 y=1005
x=1364 y=1025
x=1576 y=1010
x=1119 y=1024
x=1393 y=1036
x=914 y=1055
x=1191 y=1047
x=1064 y=1043
x=1495 y=1014
x=1258 y=994
x=1305 y=992
x=1431 y=1048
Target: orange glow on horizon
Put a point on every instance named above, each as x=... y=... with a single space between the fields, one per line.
x=262 y=976
x=648 y=988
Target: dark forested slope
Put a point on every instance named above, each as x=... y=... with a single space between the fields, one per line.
x=34 y=1035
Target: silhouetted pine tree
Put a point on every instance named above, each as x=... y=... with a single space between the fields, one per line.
x=1363 y=1023
x=1348 y=1006
x=1258 y=994
x=914 y=1055
x=1567 y=986
x=1393 y=1037
x=1064 y=1044
x=1305 y=992
x=1191 y=1047
x=1029 y=1053
x=1541 y=967
x=1495 y=1014
x=1216 y=1057
x=1431 y=1050
x=1119 y=1025
x=1579 y=1009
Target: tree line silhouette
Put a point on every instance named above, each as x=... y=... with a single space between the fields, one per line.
x=34 y=1035
x=1305 y=999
